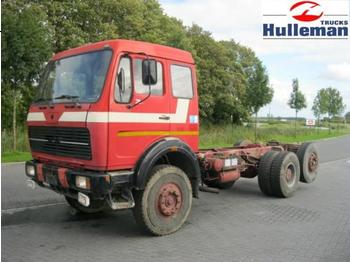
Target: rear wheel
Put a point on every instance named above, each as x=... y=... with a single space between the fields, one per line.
x=96 y=206
x=308 y=159
x=165 y=203
x=285 y=174
x=264 y=171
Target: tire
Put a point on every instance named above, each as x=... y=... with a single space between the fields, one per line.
x=243 y=142
x=264 y=170
x=96 y=206
x=285 y=174
x=216 y=184
x=308 y=159
x=165 y=203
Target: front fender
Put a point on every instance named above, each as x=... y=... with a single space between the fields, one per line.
x=168 y=147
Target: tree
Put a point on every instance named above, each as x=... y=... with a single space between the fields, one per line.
x=331 y=103
x=316 y=108
x=25 y=47
x=297 y=100
x=221 y=82
x=347 y=117
x=258 y=92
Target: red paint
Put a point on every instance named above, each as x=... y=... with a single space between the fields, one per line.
x=305 y=16
x=169 y=200
x=229 y=176
x=62 y=176
x=39 y=172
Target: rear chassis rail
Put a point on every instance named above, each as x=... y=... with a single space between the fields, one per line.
x=228 y=164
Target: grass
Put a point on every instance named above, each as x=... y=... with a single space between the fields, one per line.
x=15 y=157
x=211 y=136
x=22 y=150
x=222 y=136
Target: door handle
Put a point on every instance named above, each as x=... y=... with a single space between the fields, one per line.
x=164 y=117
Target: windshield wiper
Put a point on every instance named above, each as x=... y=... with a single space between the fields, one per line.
x=66 y=97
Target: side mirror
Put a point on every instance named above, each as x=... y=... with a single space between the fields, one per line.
x=149 y=72
x=121 y=80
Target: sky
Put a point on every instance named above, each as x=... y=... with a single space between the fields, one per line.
x=316 y=63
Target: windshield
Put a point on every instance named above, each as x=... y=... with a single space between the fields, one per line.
x=77 y=78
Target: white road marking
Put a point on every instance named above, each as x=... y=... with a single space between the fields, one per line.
x=11 y=211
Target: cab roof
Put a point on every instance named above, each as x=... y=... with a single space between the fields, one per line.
x=121 y=45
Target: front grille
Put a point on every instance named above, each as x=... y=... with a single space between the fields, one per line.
x=61 y=141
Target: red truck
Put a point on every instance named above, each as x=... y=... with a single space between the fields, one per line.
x=115 y=126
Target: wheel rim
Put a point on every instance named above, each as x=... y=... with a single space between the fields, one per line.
x=290 y=175
x=169 y=199
x=313 y=162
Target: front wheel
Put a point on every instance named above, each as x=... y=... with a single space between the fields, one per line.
x=165 y=203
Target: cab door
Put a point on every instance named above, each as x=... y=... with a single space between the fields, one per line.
x=184 y=103
x=136 y=119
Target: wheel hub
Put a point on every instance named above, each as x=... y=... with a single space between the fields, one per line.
x=170 y=199
x=313 y=162
x=290 y=175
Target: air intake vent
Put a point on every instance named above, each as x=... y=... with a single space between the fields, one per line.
x=61 y=141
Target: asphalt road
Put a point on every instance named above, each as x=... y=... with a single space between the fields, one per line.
x=239 y=224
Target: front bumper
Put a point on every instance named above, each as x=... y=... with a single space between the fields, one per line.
x=63 y=180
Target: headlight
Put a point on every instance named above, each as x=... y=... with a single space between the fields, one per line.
x=30 y=170
x=82 y=182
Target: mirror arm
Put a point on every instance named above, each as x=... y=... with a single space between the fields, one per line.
x=149 y=88
x=139 y=102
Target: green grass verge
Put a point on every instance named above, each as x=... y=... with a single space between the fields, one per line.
x=223 y=136
x=15 y=157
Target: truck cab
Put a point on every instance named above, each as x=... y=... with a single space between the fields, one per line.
x=100 y=114
x=105 y=114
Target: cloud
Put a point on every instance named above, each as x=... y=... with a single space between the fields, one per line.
x=339 y=72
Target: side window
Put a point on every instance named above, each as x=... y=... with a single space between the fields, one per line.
x=123 y=83
x=181 y=81
x=140 y=88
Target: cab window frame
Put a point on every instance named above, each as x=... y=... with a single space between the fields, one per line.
x=125 y=55
x=171 y=80
x=108 y=71
x=142 y=58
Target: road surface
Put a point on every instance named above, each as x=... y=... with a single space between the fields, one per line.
x=239 y=224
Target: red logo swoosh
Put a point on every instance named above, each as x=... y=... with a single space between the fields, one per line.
x=305 y=17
